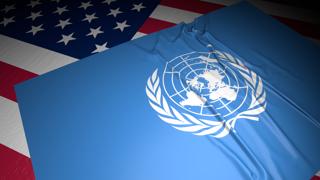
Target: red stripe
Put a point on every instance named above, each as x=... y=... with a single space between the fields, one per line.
x=9 y=76
x=307 y=29
x=192 y=5
x=153 y=25
x=14 y=166
x=315 y=178
x=304 y=28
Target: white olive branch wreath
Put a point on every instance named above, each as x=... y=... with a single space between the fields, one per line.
x=201 y=127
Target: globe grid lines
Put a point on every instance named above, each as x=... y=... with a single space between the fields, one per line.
x=224 y=105
x=237 y=88
x=193 y=70
x=185 y=61
x=218 y=127
x=207 y=63
x=179 y=72
x=205 y=70
x=174 y=87
x=179 y=76
x=238 y=83
x=181 y=63
x=188 y=87
x=201 y=89
x=178 y=92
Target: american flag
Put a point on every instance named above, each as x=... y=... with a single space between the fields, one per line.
x=39 y=36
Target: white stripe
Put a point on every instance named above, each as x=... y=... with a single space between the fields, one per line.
x=173 y=15
x=30 y=57
x=34 y=59
x=222 y=2
x=138 y=35
x=278 y=10
x=11 y=129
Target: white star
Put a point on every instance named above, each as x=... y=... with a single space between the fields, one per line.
x=89 y=18
x=95 y=32
x=100 y=48
x=108 y=1
x=66 y=38
x=138 y=7
x=61 y=10
x=33 y=15
x=35 y=29
x=34 y=3
x=85 y=5
x=6 y=21
x=121 y=26
x=114 y=12
x=63 y=23
x=8 y=8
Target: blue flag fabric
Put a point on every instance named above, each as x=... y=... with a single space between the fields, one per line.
x=233 y=95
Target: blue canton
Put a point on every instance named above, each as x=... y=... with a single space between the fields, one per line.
x=74 y=28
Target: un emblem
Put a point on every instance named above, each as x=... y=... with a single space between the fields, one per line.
x=205 y=93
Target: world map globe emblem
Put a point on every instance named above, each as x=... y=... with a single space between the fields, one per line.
x=206 y=93
x=204 y=84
